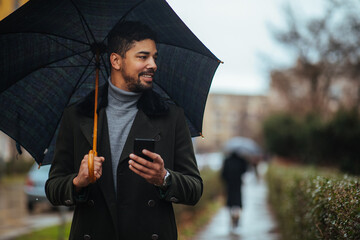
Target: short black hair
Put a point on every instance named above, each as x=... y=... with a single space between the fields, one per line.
x=124 y=34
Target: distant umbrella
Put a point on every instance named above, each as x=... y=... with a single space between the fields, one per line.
x=242 y=146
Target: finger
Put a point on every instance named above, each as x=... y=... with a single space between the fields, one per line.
x=99 y=159
x=141 y=174
x=140 y=167
x=97 y=174
x=154 y=156
x=141 y=160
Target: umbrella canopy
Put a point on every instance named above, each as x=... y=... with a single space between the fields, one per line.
x=47 y=61
x=242 y=146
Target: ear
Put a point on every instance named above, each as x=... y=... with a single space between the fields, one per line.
x=115 y=60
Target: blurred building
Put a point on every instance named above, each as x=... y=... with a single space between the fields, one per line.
x=227 y=116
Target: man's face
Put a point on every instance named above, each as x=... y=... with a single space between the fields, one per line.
x=138 y=66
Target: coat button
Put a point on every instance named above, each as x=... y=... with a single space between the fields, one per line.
x=91 y=203
x=174 y=199
x=154 y=237
x=151 y=203
x=68 y=202
x=87 y=237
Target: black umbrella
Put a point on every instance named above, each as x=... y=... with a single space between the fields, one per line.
x=48 y=61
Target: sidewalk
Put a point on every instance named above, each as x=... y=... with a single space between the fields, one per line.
x=256 y=222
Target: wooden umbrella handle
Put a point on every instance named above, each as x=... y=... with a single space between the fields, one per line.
x=93 y=153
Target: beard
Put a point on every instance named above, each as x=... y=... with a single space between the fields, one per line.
x=134 y=84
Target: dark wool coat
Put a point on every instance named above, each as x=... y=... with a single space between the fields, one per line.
x=233 y=169
x=140 y=210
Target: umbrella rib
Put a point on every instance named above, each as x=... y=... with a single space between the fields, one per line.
x=46 y=34
x=125 y=15
x=58 y=60
x=104 y=63
x=67 y=47
x=45 y=66
x=79 y=84
x=214 y=57
x=84 y=22
x=83 y=81
x=65 y=66
x=102 y=73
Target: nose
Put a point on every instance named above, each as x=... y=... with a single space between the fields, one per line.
x=152 y=64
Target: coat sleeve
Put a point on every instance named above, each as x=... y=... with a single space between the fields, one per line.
x=59 y=187
x=186 y=184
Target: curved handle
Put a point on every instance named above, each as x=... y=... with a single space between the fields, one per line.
x=92 y=154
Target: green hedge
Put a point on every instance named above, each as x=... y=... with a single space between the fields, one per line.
x=311 y=139
x=314 y=204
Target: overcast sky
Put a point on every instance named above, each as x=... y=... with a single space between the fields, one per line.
x=236 y=31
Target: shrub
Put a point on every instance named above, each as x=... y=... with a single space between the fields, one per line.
x=282 y=135
x=313 y=140
x=18 y=166
x=314 y=204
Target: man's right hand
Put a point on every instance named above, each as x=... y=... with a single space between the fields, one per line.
x=82 y=179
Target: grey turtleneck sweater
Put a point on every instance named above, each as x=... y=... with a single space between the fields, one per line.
x=120 y=112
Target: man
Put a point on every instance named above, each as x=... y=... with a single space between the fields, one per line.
x=132 y=197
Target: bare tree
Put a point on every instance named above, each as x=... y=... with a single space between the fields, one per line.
x=327 y=47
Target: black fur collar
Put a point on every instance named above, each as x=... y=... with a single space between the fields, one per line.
x=151 y=103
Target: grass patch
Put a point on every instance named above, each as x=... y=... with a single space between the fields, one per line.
x=13 y=179
x=49 y=233
x=188 y=229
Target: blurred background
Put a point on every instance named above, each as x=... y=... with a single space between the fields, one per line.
x=290 y=81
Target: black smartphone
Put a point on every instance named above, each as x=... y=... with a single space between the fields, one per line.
x=141 y=144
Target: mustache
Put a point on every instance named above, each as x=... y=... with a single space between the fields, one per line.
x=150 y=71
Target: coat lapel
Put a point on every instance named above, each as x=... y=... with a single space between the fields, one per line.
x=141 y=128
x=106 y=182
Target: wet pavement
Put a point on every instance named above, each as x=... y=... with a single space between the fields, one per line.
x=256 y=221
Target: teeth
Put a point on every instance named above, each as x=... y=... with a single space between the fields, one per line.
x=147 y=75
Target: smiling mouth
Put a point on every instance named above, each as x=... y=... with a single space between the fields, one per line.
x=148 y=76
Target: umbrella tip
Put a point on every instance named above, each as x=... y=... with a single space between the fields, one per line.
x=39 y=165
x=201 y=135
x=219 y=61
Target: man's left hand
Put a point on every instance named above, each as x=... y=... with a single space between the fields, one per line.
x=153 y=172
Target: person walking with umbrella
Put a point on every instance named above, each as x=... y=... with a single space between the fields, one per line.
x=234 y=167
x=132 y=197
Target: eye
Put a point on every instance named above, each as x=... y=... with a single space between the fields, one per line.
x=142 y=57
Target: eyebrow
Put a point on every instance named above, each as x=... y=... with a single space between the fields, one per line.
x=146 y=53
